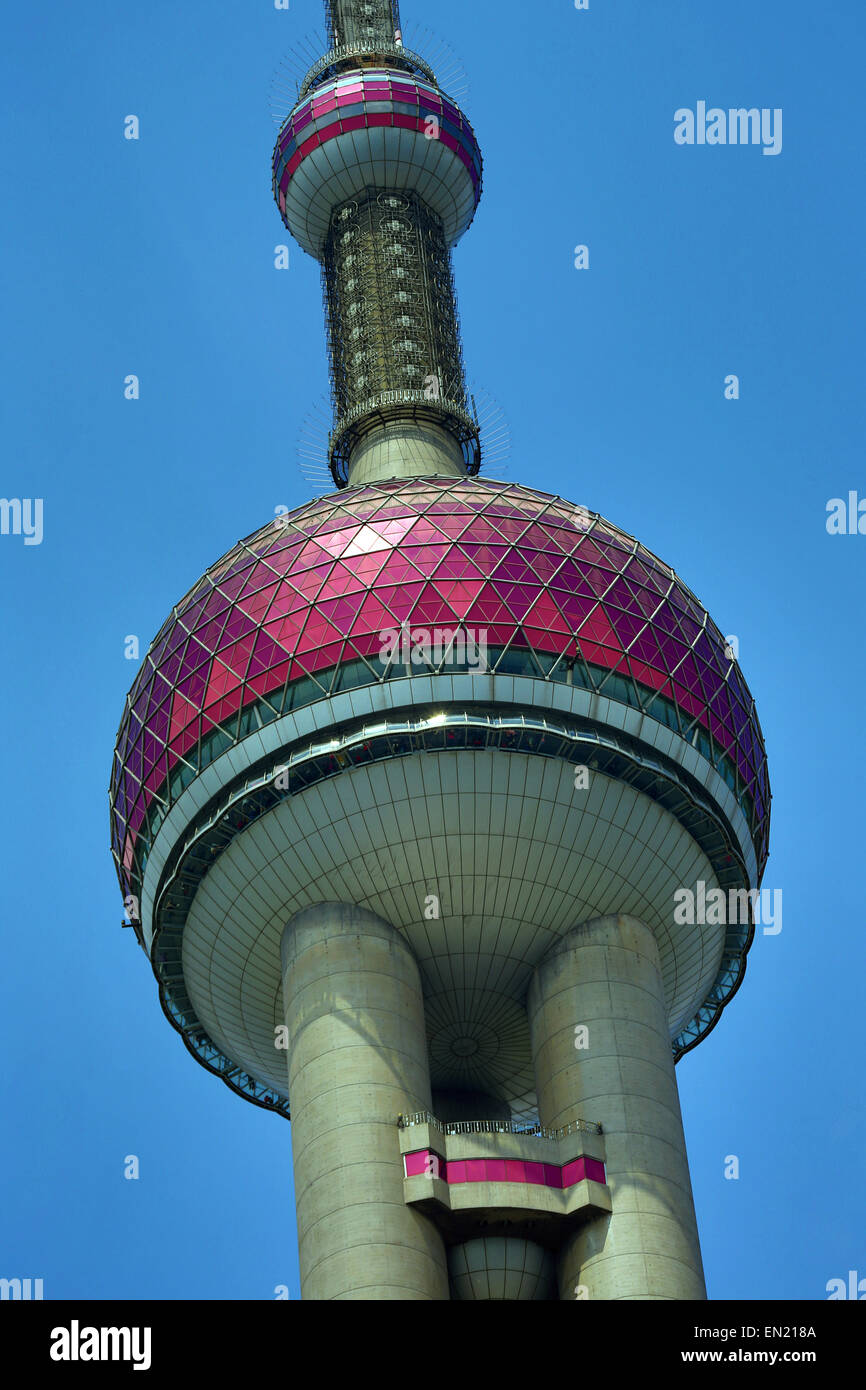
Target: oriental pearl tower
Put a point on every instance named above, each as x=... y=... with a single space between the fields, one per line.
x=408 y=783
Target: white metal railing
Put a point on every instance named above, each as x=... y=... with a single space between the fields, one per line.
x=346 y=51
x=423 y=1117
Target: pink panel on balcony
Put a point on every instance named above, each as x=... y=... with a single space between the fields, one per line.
x=573 y=1172
x=425 y=1162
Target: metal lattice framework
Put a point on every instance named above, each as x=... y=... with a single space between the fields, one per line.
x=353 y=56
x=362 y=21
x=393 y=330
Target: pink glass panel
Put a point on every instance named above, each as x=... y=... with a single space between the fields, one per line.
x=388 y=534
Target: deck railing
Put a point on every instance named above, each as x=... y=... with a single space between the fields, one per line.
x=423 y=1117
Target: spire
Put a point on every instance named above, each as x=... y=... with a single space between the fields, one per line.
x=377 y=174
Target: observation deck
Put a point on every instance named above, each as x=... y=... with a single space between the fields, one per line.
x=479 y=1176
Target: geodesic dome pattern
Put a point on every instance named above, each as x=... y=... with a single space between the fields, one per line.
x=299 y=610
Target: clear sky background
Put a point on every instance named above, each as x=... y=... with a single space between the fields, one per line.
x=156 y=258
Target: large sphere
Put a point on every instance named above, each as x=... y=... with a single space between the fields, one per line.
x=377 y=128
x=458 y=782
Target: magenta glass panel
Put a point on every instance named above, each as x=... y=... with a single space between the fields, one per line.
x=510 y=1170
x=502 y=557
x=573 y=1172
x=624 y=625
x=425 y=1162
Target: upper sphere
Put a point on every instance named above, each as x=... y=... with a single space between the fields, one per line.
x=376 y=128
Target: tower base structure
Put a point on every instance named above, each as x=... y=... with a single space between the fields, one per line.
x=394 y=1203
x=601 y=1046
x=357 y=1053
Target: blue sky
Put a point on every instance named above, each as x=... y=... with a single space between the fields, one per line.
x=156 y=258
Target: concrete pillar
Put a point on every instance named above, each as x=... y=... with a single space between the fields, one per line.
x=402 y=449
x=357 y=1059
x=605 y=976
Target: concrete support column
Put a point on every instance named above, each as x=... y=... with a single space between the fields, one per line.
x=357 y=1059
x=605 y=976
x=402 y=449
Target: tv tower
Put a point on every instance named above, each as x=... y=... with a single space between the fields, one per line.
x=409 y=784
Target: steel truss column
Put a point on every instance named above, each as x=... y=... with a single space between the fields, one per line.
x=363 y=21
x=393 y=331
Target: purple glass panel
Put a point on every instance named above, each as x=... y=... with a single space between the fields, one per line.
x=498 y=556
